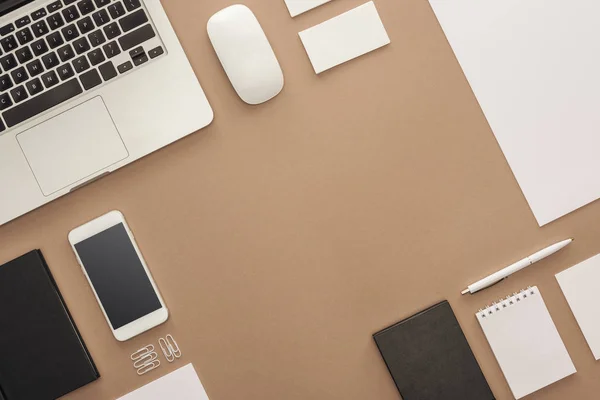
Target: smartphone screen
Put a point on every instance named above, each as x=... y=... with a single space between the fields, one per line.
x=118 y=276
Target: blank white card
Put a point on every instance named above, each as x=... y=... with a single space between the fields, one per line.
x=298 y=7
x=580 y=285
x=344 y=37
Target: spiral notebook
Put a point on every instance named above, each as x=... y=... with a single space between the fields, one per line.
x=525 y=342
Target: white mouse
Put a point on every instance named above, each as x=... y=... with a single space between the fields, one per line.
x=245 y=54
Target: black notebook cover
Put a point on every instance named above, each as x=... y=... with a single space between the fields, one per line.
x=42 y=355
x=429 y=358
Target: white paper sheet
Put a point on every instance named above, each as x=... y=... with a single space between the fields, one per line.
x=534 y=68
x=181 y=384
x=298 y=7
x=344 y=37
x=580 y=285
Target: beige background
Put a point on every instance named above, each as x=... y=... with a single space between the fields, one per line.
x=282 y=236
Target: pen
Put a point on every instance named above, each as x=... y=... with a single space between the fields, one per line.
x=511 y=269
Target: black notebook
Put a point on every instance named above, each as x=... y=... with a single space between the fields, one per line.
x=42 y=355
x=429 y=358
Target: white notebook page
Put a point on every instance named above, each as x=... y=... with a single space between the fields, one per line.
x=525 y=342
x=580 y=286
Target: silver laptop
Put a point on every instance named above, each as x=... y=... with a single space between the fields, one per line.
x=86 y=87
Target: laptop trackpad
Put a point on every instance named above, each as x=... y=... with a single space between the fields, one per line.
x=73 y=146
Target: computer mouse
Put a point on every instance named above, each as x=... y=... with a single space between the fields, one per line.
x=245 y=54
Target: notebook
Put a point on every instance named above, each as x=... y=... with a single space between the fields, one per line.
x=531 y=67
x=429 y=358
x=580 y=287
x=39 y=342
x=181 y=384
x=525 y=342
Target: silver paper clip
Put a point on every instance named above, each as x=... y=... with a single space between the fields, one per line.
x=145 y=359
x=142 y=352
x=148 y=367
x=169 y=347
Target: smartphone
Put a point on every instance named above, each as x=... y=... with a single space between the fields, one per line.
x=114 y=267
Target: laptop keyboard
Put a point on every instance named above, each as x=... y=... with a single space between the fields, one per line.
x=67 y=48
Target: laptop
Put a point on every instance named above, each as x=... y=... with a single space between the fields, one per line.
x=86 y=87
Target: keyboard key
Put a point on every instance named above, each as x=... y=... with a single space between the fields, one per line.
x=55 y=21
x=70 y=32
x=81 y=45
x=85 y=25
x=90 y=79
x=55 y=40
x=8 y=43
x=81 y=64
x=5 y=101
x=21 y=22
x=111 y=49
x=50 y=79
x=34 y=86
x=19 y=94
x=116 y=10
x=101 y=17
x=125 y=67
x=133 y=20
x=24 y=36
x=112 y=30
x=35 y=68
x=156 y=52
x=50 y=60
x=70 y=13
x=54 y=6
x=19 y=75
x=65 y=71
x=38 y=14
x=66 y=53
x=39 y=47
x=85 y=6
x=136 y=37
x=5 y=82
x=136 y=52
x=140 y=59
x=8 y=62
x=101 y=3
x=6 y=29
x=40 y=28
x=108 y=71
x=67 y=2
x=24 y=54
x=96 y=56
x=96 y=38
x=42 y=102
x=131 y=5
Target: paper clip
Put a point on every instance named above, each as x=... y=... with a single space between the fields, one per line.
x=148 y=367
x=145 y=359
x=142 y=352
x=170 y=348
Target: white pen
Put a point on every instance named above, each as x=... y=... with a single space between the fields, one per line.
x=511 y=269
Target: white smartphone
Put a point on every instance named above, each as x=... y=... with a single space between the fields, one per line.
x=112 y=262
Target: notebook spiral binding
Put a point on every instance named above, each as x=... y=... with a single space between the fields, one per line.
x=508 y=301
